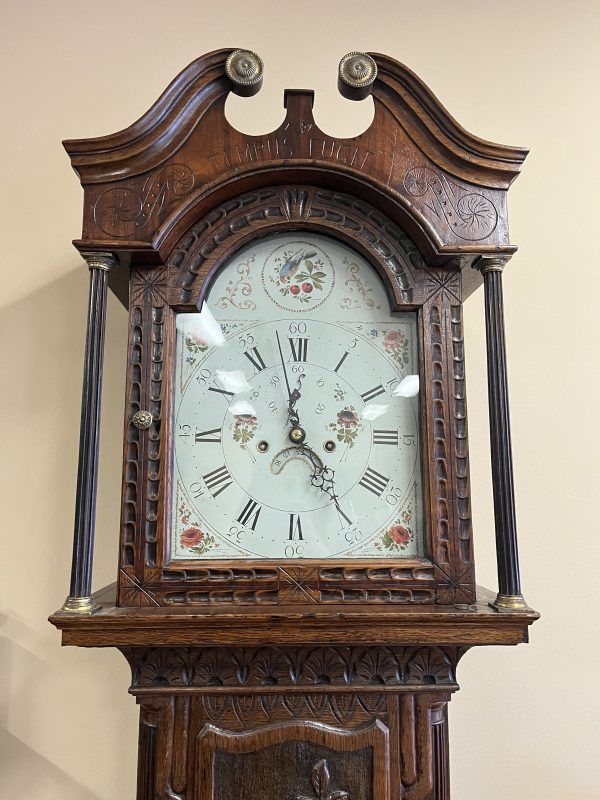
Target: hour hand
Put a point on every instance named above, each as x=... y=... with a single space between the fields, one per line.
x=294 y=397
x=296 y=434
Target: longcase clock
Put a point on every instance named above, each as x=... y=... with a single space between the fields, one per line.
x=295 y=574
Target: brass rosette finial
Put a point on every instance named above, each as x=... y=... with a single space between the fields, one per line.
x=245 y=72
x=357 y=73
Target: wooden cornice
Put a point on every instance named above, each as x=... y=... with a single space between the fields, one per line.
x=160 y=132
x=438 y=134
x=146 y=185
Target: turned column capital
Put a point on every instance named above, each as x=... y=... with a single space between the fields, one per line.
x=100 y=260
x=491 y=263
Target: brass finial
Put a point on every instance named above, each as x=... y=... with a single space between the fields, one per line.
x=245 y=72
x=357 y=72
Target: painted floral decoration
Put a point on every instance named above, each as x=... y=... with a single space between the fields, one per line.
x=237 y=290
x=195 y=540
x=244 y=428
x=358 y=292
x=299 y=273
x=396 y=344
x=195 y=344
x=399 y=536
x=192 y=538
x=347 y=425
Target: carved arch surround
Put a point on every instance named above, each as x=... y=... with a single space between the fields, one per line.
x=215 y=237
x=445 y=575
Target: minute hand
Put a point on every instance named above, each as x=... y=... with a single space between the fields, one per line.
x=323 y=478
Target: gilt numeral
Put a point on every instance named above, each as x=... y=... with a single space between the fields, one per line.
x=385 y=437
x=208 y=436
x=219 y=479
x=341 y=361
x=372 y=393
x=374 y=481
x=250 y=514
x=295 y=528
x=255 y=358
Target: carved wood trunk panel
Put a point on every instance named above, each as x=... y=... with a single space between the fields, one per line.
x=300 y=761
x=325 y=724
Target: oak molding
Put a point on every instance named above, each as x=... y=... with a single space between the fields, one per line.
x=249 y=626
x=291 y=669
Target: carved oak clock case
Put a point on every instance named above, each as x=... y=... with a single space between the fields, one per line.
x=296 y=573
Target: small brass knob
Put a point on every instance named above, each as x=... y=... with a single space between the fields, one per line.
x=142 y=420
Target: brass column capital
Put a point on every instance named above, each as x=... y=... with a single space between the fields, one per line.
x=100 y=260
x=491 y=263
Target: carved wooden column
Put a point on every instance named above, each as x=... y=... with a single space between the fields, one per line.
x=507 y=552
x=440 y=752
x=79 y=599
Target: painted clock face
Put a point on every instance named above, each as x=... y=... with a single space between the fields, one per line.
x=296 y=414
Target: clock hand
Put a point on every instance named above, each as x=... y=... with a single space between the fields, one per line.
x=294 y=397
x=296 y=434
x=285 y=375
x=323 y=478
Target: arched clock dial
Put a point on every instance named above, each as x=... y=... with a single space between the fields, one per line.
x=296 y=419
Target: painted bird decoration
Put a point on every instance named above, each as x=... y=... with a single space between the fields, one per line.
x=291 y=264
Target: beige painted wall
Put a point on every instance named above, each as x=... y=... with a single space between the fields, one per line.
x=525 y=725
